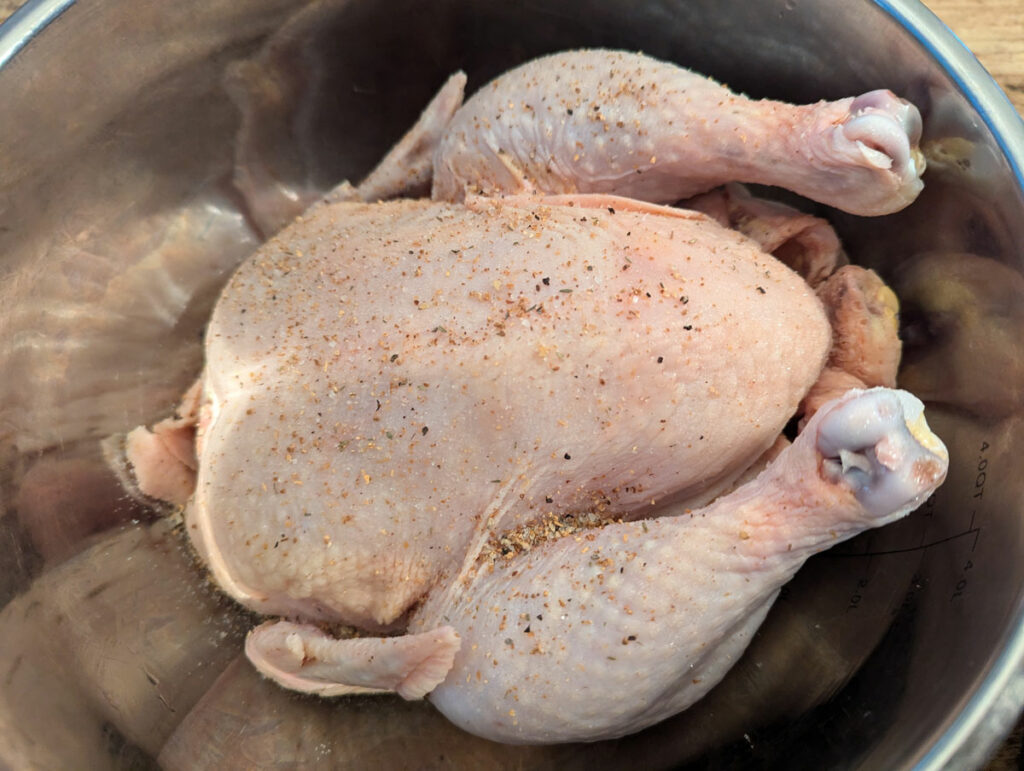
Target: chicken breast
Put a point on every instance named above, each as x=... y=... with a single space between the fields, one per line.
x=397 y=372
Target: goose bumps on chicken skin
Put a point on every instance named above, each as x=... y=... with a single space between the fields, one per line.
x=518 y=448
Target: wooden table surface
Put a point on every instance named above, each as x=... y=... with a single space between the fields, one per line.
x=994 y=31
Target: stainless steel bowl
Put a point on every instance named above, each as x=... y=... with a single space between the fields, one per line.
x=119 y=128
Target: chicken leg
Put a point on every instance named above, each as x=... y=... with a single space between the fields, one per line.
x=553 y=638
x=599 y=121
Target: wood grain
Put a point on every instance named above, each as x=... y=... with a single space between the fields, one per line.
x=7 y=7
x=994 y=31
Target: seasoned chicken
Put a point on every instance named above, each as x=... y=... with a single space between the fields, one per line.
x=599 y=121
x=511 y=447
x=615 y=122
x=527 y=356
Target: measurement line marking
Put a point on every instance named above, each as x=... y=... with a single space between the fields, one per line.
x=975 y=532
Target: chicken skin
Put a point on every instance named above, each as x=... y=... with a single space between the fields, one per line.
x=527 y=356
x=622 y=123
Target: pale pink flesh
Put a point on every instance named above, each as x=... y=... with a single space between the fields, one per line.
x=552 y=638
x=303 y=658
x=159 y=472
x=338 y=462
x=615 y=122
x=393 y=389
x=809 y=245
x=866 y=348
x=162 y=461
x=317 y=338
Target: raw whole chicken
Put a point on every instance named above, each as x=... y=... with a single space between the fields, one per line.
x=518 y=448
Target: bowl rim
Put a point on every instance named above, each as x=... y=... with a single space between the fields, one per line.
x=975 y=82
x=997 y=701
x=998 y=698
x=27 y=22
